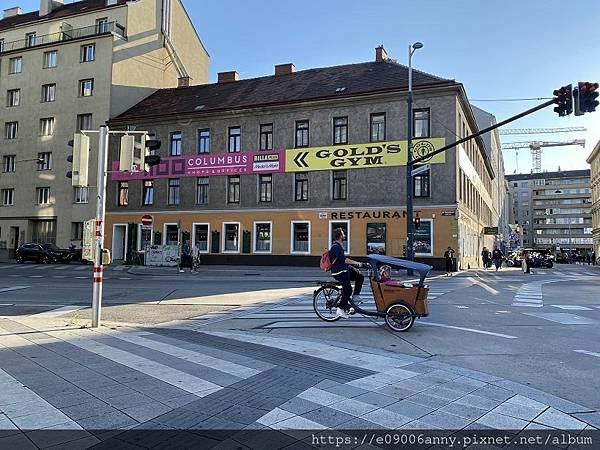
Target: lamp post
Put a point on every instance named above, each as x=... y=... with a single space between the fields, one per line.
x=410 y=227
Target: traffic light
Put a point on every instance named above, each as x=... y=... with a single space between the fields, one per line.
x=126 y=153
x=150 y=159
x=585 y=99
x=417 y=222
x=563 y=98
x=80 y=160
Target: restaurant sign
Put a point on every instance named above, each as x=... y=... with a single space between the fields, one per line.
x=361 y=156
x=219 y=164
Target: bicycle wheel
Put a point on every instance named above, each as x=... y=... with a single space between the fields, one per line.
x=402 y=317
x=325 y=301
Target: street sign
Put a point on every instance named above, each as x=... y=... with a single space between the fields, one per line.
x=514 y=237
x=420 y=169
x=147 y=221
x=448 y=213
x=490 y=230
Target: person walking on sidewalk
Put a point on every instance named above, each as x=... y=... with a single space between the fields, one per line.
x=526 y=264
x=485 y=258
x=186 y=256
x=449 y=257
x=342 y=271
x=497 y=256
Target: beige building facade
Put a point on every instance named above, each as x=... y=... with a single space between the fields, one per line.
x=71 y=67
x=594 y=162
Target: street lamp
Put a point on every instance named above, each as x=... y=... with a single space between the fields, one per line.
x=410 y=228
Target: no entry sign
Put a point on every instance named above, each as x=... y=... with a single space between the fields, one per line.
x=147 y=221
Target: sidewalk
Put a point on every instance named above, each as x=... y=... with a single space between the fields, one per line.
x=68 y=387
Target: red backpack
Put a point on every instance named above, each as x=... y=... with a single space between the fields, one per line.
x=325 y=263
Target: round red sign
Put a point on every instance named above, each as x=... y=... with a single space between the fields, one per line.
x=147 y=220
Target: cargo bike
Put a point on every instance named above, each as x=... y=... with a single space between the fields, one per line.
x=399 y=303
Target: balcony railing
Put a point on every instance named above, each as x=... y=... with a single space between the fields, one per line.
x=64 y=35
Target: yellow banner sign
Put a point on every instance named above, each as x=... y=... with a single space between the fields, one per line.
x=361 y=156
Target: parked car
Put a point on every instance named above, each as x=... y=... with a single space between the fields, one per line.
x=42 y=253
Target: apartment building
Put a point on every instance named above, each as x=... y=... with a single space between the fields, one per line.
x=260 y=171
x=594 y=162
x=71 y=67
x=553 y=210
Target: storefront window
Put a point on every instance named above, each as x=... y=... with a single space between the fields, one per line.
x=262 y=237
x=172 y=234
x=300 y=237
x=376 y=238
x=201 y=236
x=423 y=243
x=231 y=242
x=345 y=226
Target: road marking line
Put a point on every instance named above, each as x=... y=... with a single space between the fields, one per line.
x=483 y=285
x=63 y=267
x=573 y=307
x=40 y=267
x=13 y=288
x=59 y=276
x=81 y=278
x=57 y=312
x=36 y=276
x=124 y=278
x=585 y=352
x=8 y=266
x=81 y=268
x=472 y=330
x=564 y=318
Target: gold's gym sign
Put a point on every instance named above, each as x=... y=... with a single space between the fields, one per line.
x=361 y=156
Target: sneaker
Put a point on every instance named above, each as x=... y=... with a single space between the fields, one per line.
x=357 y=299
x=351 y=311
x=341 y=313
x=181 y=271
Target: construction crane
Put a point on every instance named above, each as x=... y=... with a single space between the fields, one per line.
x=536 y=150
x=540 y=130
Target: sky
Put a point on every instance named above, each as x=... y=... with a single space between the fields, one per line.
x=498 y=49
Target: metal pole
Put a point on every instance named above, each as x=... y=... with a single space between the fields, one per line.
x=100 y=209
x=409 y=179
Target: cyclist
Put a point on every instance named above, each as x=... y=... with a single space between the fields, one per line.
x=342 y=271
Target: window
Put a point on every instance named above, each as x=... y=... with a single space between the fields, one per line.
x=231 y=237
x=300 y=237
x=13 y=97
x=340 y=130
x=421 y=184
x=86 y=87
x=47 y=126
x=200 y=236
x=15 y=65
x=171 y=234
x=148 y=192
x=123 y=191
x=145 y=237
x=233 y=189
x=1 y=45
x=301 y=186
x=8 y=163
x=377 y=127
x=262 y=237
x=203 y=141
x=421 y=123
x=50 y=59
x=235 y=136
x=30 y=39
x=42 y=195
x=84 y=122
x=44 y=161
x=340 y=185
x=265 y=187
x=173 y=196
x=345 y=226
x=175 y=143
x=102 y=25
x=11 y=130
x=48 y=93
x=88 y=52
x=202 y=191
x=76 y=231
x=266 y=137
x=302 y=133
x=8 y=197
x=81 y=195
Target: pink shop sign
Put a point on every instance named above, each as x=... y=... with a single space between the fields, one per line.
x=218 y=164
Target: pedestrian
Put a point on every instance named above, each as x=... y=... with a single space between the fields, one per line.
x=195 y=258
x=589 y=257
x=186 y=253
x=497 y=256
x=449 y=257
x=594 y=262
x=526 y=263
x=485 y=257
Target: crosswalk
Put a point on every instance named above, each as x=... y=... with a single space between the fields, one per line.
x=60 y=271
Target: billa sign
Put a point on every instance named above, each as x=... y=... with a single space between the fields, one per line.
x=490 y=231
x=361 y=156
x=217 y=164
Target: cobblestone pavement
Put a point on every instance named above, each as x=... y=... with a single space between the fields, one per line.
x=104 y=385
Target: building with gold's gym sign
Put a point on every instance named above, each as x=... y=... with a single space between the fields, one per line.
x=260 y=171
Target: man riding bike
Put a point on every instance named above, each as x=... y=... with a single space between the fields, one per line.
x=342 y=271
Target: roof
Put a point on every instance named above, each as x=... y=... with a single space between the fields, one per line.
x=546 y=175
x=69 y=9
x=306 y=85
x=594 y=153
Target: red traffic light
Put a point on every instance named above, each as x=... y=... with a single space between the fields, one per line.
x=563 y=98
x=587 y=97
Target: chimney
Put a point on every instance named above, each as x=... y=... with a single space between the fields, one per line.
x=284 y=69
x=183 y=82
x=227 y=77
x=47 y=6
x=11 y=12
x=380 y=54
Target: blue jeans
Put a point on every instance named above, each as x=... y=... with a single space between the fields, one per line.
x=345 y=278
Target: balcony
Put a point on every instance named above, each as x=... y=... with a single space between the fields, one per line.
x=65 y=35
